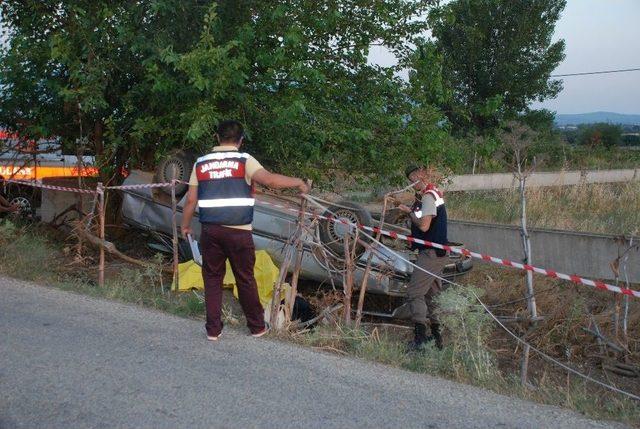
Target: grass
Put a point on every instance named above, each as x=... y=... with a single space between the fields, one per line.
x=35 y=253
x=599 y=208
x=469 y=357
x=475 y=352
x=560 y=156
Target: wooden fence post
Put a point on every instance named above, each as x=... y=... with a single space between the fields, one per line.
x=298 y=262
x=100 y=190
x=174 y=210
x=348 y=278
x=277 y=287
x=367 y=271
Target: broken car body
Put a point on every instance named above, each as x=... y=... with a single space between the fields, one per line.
x=150 y=209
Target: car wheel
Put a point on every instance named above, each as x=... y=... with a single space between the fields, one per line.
x=332 y=233
x=179 y=163
x=25 y=201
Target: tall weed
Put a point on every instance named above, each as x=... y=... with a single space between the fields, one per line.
x=25 y=254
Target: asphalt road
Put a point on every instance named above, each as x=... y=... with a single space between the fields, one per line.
x=71 y=361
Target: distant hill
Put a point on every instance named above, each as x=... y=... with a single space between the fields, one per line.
x=590 y=118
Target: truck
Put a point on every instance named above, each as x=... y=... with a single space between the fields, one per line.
x=36 y=161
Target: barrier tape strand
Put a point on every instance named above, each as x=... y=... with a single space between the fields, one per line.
x=466 y=252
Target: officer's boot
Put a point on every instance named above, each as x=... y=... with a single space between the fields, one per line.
x=436 y=334
x=420 y=337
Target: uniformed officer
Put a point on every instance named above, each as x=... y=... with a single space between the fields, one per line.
x=429 y=223
x=221 y=185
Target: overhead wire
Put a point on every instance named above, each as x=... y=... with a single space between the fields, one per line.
x=596 y=72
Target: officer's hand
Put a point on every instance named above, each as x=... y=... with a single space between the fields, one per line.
x=303 y=187
x=404 y=208
x=186 y=230
x=14 y=208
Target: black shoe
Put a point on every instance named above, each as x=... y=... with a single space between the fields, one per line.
x=436 y=335
x=420 y=337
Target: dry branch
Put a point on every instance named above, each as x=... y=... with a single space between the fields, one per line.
x=111 y=248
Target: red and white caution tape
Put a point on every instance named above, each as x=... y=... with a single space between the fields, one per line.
x=91 y=191
x=52 y=187
x=149 y=185
x=526 y=267
x=141 y=186
x=396 y=236
x=462 y=251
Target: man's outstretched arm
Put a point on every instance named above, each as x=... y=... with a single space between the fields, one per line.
x=279 y=181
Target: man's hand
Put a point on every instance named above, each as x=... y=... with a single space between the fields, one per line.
x=303 y=187
x=186 y=230
x=13 y=208
x=404 y=208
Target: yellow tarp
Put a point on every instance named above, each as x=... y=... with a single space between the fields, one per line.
x=265 y=270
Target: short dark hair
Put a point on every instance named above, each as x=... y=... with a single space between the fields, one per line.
x=230 y=131
x=410 y=169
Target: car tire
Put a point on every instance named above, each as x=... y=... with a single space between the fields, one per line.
x=26 y=199
x=179 y=161
x=332 y=233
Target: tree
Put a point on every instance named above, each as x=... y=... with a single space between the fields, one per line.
x=80 y=70
x=493 y=57
x=518 y=139
x=601 y=135
x=312 y=102
x=139 y=78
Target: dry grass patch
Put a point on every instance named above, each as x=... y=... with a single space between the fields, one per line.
x=603 y=208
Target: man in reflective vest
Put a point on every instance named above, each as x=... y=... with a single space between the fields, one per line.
x=428 y=222
x=221 y=185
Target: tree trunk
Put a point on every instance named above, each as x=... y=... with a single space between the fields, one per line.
x=98 y=144
x=526 y=242
x=531 y=300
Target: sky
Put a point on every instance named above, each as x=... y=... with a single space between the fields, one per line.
x=599 y=35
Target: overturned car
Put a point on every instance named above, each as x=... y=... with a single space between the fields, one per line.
x=275 y=221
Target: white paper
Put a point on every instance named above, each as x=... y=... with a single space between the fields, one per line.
x=195 y=250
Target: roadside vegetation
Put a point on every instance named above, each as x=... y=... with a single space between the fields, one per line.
x=599 y=208
x=475 y=352
x=296 y=73
x=41 y=254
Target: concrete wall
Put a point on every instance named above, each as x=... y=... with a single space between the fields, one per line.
x=584 y=254
x=55 y=202
x=476 y=182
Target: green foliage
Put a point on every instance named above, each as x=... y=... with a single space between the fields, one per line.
x=496 y=56
x=143 y=77
x=85 y=69
x=25 y=254
x=469 y=327
x=601 y=135
x=137 y=79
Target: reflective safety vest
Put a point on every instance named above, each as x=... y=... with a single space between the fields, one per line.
x=224 y=197
x=437 y=232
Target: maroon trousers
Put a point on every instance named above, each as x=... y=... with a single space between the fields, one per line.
x=220 y=243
